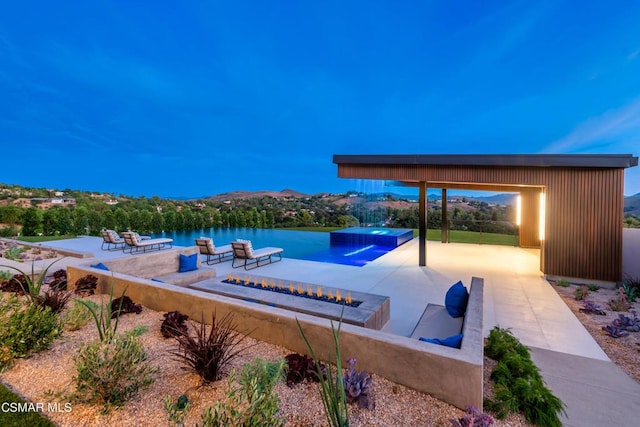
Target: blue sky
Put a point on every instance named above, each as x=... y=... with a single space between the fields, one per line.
x=194 y=98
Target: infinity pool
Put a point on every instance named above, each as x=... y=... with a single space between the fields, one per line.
x=307 y=245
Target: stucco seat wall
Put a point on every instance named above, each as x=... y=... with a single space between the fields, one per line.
x=162 y=265
x=452 y=375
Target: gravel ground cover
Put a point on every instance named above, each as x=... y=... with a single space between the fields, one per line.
x=624 y=351
x=46 y=374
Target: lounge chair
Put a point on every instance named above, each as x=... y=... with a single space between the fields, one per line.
x=134 y=244
x=214 y=254
x=243 y=251
x=112 y=240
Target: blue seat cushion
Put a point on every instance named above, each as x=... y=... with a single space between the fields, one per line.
x=456 y=300
x=454 y=341
x=188 y=263
x=100 y=266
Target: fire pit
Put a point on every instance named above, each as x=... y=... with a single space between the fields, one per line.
x=357 y=308
x=314 y=292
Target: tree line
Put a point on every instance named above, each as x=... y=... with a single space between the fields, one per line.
x=156 y=215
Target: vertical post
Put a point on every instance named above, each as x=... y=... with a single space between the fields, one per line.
x=445 y=218
x=530 y=218
x=422 y=225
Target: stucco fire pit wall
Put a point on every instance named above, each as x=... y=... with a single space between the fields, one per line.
x=373 y=312
x=451 y=375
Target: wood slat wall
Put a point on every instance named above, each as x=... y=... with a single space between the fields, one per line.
x=584 y=209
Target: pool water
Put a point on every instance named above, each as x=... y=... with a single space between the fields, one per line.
x=306 y=245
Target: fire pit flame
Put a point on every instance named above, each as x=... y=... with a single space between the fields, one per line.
x=296 y=289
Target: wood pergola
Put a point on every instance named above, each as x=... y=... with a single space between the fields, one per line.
x=571 y=204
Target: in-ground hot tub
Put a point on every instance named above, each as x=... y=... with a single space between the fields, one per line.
x=391 y=237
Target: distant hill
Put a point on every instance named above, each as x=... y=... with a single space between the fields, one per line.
x=499 y=199
x=632 y=204
x=235 y=195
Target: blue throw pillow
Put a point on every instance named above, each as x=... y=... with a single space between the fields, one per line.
x=456 y=300
x=454 y=341
x=100 y=266
x=188 y=263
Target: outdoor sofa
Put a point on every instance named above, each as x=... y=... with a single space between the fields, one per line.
x=444 y=324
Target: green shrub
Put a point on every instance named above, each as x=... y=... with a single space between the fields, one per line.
x=502 y=342
x=593 y=288
x=177 y=409
x=581 y=293
x=13 y=253
x=562 y=283
x=5 y=275
x=631 y=292
x=619 y=303
x=112 y=371
x=253 y=403
x=519 y=387
x=79 y=315
x=25 y=329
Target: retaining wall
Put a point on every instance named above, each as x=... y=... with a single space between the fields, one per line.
x=451 y=375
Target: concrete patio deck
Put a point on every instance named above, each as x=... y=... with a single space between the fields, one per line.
x=516 y=297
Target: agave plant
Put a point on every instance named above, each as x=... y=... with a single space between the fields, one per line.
x=102 y=316
x=589 y=307
x=357 y=385
x=30 y=284
x=615 y=331
x=473 y=418
x=630 y=324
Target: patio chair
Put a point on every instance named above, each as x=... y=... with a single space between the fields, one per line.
x=135 y=244
x=214 y=254
x=243 y=251
x=112 y=240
